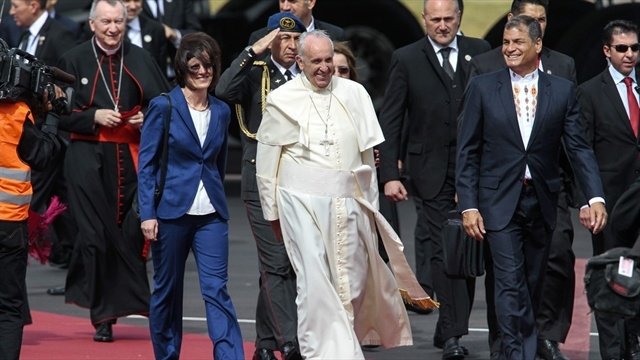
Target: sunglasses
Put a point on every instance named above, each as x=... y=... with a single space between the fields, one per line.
x=343 y=70
x=622 y=48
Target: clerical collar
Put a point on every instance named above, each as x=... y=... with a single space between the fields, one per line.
x=309 y=85
x=293 y=69
x=532 y=76
x=108 y=52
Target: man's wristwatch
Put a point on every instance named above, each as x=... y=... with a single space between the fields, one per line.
x=249 y=49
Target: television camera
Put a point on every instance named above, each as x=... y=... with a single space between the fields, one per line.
x=24 y=78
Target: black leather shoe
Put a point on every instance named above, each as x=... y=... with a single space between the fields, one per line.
x=415 y=309
x=632 y=350
x=549 y=350
x=440 y=344
x=104 y=332
x=290 y=351
x=452 y=350
x=56 y=290
x=264 y=354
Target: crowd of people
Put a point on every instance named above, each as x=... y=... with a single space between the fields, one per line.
x=504 y=136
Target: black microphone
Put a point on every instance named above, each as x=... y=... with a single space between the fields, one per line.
x=62 y=75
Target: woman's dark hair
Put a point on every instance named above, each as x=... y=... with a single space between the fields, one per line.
x=202 y=47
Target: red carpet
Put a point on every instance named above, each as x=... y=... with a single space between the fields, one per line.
x=578 y=340
x=58 y=337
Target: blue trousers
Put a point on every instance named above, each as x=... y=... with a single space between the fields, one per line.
x=207 y=237
x=520 y=252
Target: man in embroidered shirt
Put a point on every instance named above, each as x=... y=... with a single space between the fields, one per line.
x=508 y=180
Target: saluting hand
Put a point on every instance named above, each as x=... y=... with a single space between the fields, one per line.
x=260 y=46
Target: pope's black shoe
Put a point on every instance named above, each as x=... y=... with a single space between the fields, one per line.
x=104 y=332
x=452 y=350
x=264 y=354
x=290 y=351
x=549 y=350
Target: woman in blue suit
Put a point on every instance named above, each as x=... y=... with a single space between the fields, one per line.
x=191 y=213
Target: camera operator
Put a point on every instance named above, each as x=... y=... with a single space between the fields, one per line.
x=23 y=147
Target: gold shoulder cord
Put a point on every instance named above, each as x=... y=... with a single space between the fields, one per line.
x=264 y=91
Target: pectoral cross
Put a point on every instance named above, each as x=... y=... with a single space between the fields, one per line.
x=326 y=142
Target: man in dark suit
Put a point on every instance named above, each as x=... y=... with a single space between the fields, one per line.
x=426 y=82
x=246 y=84
x=609 y=108
x=555 y=313
x=146 y=32
x=178 y=17
x=67 y=22
x=511 y=130
x=303 y=10
x=43 y=37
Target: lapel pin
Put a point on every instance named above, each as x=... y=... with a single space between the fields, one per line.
x=41 y=40
x=147 y=38
x=277 y=81
x=84 y=81
x=549 y=72
x=467 y=57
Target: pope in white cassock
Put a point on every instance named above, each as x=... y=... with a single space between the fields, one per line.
x=315 y=173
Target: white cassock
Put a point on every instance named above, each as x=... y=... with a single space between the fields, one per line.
x=324 y=191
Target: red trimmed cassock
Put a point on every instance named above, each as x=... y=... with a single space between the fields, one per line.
x=107 y=273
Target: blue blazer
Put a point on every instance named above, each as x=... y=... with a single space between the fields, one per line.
x=188 y=162
x=492 y=157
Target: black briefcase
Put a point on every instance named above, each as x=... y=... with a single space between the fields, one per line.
x=463 y=256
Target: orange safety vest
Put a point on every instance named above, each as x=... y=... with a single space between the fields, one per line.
x=15 y=175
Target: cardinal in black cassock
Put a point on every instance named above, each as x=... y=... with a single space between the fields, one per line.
x=114 y=83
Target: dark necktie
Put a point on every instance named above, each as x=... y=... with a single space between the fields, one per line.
x=288 y=75
x=159 y=14
x=634 y=110
x=446 y=65
x=24 y=40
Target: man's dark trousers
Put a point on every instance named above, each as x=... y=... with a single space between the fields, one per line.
x=520 y=252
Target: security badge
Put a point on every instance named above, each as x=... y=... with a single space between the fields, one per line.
x=287 y=23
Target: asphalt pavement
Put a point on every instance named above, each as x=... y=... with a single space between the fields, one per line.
x=243 y=287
